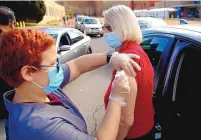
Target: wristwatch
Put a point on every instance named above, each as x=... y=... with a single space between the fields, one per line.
x=109 y=55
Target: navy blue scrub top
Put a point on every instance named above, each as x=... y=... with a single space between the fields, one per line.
x=41 y=121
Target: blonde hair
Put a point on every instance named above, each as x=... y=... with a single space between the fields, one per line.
x=123 y=22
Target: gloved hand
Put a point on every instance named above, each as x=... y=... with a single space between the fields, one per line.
x=121 y=61
x=120 y=88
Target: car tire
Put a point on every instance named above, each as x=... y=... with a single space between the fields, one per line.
x=101 y=35
x=89 y=51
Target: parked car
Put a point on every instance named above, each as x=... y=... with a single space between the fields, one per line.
x=175 y=53
x=91 y=26
x=70 y=43
x=150 y=22
x=78 y=21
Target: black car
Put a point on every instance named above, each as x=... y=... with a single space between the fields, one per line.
x=175 y=53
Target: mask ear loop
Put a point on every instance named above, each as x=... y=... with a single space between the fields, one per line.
x=36 y=84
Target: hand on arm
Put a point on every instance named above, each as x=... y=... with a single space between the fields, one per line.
x=127 y=113
x=121 y=61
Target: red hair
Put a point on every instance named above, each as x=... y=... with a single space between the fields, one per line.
x=19 y=48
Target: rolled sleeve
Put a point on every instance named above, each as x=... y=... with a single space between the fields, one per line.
x=66 y=71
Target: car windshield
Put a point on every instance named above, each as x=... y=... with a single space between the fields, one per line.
x=54 y=36
x=91 y=21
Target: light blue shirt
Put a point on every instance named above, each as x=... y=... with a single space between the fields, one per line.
x=41 y=121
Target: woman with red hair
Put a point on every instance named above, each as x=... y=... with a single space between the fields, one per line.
x=38 y=108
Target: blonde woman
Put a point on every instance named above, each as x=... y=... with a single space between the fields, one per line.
x=122 y=32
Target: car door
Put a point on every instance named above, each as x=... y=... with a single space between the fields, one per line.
x=180 y=98
x=158 y=48
x=65 y=56
x=186 y=96
x=78 y=42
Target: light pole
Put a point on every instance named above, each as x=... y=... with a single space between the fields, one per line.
x=164 y=8
x=132 y=4
x=89 y=8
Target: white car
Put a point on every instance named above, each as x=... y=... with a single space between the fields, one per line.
x=150 y=22
x=91 y=26
x=78 y=21
x=70 y=43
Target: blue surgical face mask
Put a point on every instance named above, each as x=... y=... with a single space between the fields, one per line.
x=55 y=79
x=113 y=40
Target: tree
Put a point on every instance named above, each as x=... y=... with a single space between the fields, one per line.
x=26 y=10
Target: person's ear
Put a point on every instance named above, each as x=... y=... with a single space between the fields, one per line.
x=26 y=72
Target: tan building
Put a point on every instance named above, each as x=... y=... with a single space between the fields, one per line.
x=81 y=7
x=90 y=8
x=143 y=4
x=54 y=11
x=96 y=8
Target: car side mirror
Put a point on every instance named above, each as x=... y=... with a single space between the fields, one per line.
x=64 y=48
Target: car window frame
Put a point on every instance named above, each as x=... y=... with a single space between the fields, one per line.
x=173 y=66
x=164 y=60
x=67 y=37
x=78 y=33
x=167 y=96
x=179 y=53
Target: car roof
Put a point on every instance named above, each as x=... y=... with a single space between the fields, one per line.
x=90 y=18
x=148 y=18
x=81 y=16
x=55 y=30
x=190 y=31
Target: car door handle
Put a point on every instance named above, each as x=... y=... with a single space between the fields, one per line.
x=75 y=51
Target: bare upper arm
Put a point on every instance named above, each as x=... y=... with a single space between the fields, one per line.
x=127 y=115
x=74 y=71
